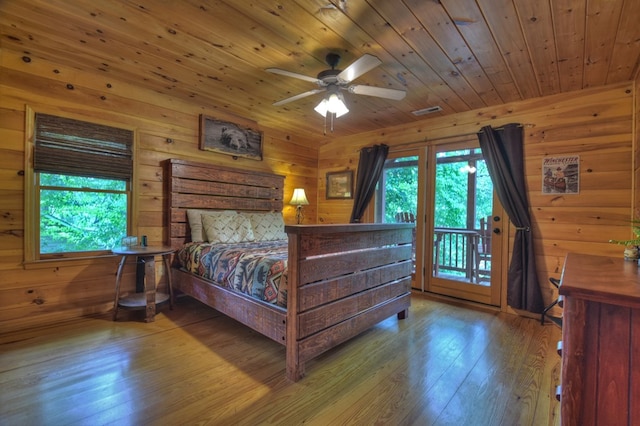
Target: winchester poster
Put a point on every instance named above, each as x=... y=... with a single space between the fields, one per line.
x=561 y=175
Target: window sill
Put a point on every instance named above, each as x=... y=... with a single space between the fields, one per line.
x=67 y=261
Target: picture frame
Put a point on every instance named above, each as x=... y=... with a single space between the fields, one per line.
x=561 y=175
x=340 y=185
x=228 y=138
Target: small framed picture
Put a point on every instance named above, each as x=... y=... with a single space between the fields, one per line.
x=340 y=185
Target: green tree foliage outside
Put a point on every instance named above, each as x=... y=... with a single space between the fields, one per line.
x=401 y=191
x=401 y=194
x=79 y=214
x=451 y=196
x=452 y=191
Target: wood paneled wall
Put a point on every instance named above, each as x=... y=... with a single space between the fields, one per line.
x=597 y=124
x=636 y=149
x=165 y=128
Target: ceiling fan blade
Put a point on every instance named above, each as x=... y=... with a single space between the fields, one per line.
x=379 y=92
x=296 y=97
x=362 y=65
x=293 y=74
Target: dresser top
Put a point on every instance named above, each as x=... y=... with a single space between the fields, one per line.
x=602 y=279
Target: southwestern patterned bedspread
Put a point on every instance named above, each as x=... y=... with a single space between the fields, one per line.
x=257 y=269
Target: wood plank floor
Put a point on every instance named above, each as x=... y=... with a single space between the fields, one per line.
x=444 y=365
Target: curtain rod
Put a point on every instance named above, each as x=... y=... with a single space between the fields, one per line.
x=527 y=126
x=460 y=135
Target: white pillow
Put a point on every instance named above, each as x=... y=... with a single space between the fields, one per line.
x=195 y=223
x=267 y=226
x=227 y=227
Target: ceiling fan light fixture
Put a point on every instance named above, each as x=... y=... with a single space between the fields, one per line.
x=333 y=103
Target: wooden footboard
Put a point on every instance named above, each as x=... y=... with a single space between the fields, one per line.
x=343 y=279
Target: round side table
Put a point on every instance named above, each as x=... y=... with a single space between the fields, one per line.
x=149 y=298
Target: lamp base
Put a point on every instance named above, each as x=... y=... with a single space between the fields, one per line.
x=299 y=215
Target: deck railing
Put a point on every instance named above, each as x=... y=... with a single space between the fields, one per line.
x=456 y=254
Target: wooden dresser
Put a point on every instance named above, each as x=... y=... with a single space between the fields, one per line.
x=600 y=341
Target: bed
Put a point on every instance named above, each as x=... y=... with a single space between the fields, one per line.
x=340 y=279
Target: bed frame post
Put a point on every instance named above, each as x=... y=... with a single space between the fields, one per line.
x=295 y=367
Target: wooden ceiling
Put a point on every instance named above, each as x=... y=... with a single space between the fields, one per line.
x=457 y=54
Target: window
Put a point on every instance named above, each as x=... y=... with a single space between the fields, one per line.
x=463 y=190
x=81 y=196
x=397 y=191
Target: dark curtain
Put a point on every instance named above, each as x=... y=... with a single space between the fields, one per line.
x=503 y=152
x=370 y=168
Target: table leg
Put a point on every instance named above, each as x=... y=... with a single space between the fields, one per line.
x=150 y=287
x=118 y=279
x=167 y=270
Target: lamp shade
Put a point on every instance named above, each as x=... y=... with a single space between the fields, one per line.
x=334 y=103
x=299 y=198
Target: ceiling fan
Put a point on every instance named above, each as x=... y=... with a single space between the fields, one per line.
x=334 y=81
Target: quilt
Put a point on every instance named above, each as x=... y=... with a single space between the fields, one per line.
x=257 y=269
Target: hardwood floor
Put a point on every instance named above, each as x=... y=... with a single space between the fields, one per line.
x=444 y=365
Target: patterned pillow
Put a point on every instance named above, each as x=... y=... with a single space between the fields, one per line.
x=227 y=227
x=267 y=226
x=195 y=224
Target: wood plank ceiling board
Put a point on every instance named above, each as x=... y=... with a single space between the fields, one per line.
x=159 y=66
x=569 y=29
x=212 y=54
x=477 y=35
x=625 y=59
x=290 y=21
x=395 y=67
x=603 y=17
x=537 y=25
x=503 y=21
x=377 y=27
x=104 y=50
x=415 y=36
x=229 y=51
x=434 y=19
x=392 y=62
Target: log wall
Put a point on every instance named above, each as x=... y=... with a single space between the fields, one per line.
x=597 y=124
x=165 y=128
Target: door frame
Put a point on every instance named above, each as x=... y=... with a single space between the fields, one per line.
x=488 y=295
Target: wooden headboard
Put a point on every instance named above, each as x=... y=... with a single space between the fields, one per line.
x=192 y=185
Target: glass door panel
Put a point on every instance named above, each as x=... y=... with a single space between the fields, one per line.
x=397 y=194
x=463 y=226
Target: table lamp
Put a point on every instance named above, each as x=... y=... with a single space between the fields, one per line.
x=299 y=199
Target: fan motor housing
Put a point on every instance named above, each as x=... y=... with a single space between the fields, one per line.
x=329 y=76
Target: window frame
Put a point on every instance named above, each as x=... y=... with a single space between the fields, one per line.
x=379 y=198
x=32 y=255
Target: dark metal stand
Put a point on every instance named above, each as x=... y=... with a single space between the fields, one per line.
x=555 y=320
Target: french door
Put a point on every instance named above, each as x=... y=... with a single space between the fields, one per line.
x=445 y=190
x=465 y=226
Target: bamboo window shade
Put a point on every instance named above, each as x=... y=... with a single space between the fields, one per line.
x=80 y=148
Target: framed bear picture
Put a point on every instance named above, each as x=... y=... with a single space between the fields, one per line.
x=229 y=138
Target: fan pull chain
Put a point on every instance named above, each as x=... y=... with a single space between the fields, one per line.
x=324 y=127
